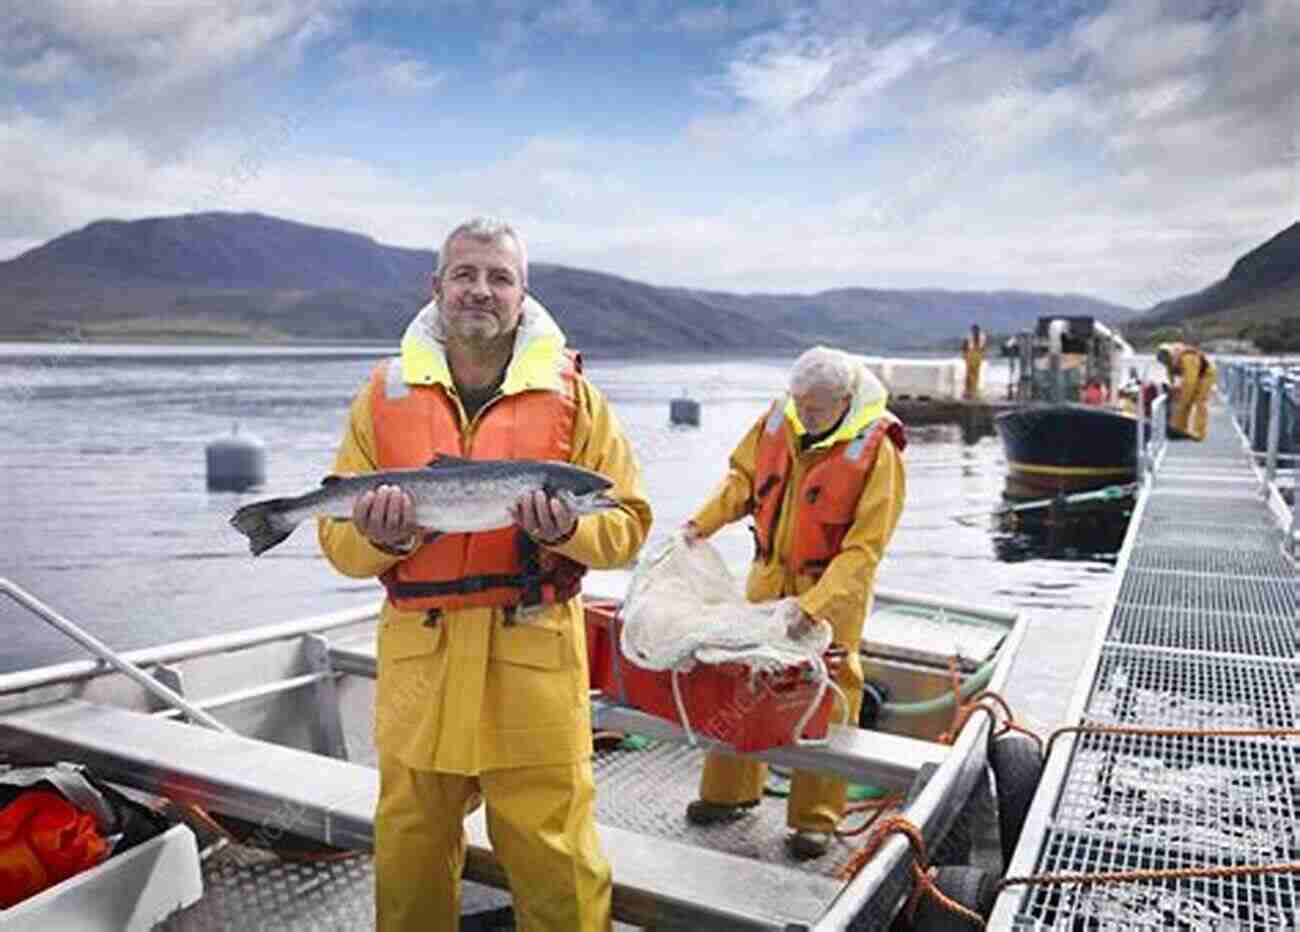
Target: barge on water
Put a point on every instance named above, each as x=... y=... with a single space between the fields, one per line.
x=1073 y=427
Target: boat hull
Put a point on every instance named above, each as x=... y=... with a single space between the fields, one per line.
x=1066 y=448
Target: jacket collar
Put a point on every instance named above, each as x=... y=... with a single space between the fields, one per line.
x=868 y=404
x=537 y=362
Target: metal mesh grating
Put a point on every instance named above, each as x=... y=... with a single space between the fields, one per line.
x=281 y=895
x=1254 y=904
x=1256 y=596
x=1205 y=574
x=1152 y=626
x=1248 y=561
x=1150 y=803
x=1190 y=532
x=647 y=792
x=1188 y=691
x=1240 y=489
x=258 y=892
x=1242 y=513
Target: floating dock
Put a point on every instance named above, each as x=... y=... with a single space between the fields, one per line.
x=1200 y=635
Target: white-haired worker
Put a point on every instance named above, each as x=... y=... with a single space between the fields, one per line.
x=821 y=475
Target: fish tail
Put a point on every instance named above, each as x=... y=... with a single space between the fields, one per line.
x=266 y=523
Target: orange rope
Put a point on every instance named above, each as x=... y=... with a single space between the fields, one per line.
x=214 y=825
x=1172 y=873
x=874 y=806
x=990 y=702
x=995 y=705
x=923 y=881
x=1158 y=732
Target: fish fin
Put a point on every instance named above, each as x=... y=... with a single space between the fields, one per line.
x=331 y=479
x=264 y=523
x=446 y=459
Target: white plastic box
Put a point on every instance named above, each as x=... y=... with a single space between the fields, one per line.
x=130 y=892
x=933 y=379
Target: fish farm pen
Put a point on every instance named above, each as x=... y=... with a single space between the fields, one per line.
x=1184 y=776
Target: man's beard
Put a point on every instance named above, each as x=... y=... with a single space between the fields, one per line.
x=475 y=330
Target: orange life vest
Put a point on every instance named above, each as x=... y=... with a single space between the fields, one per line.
x=415 y=424
x=827 y=499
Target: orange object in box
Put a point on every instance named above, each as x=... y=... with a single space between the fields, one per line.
x=720 y=701
x=44 y=839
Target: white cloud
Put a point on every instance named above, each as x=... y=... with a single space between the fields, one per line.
x=49 y=67
x=1133 y=156
x=163 y=71
x=389 y=70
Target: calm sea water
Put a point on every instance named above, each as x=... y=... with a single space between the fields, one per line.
x=107 y=518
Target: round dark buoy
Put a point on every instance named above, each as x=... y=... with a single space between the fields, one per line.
x=236 y=462
x=684 y=411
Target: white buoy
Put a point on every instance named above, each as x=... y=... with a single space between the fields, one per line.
x=236 y=463
x=684 y=410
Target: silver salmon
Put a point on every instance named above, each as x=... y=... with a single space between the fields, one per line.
x=451 y=495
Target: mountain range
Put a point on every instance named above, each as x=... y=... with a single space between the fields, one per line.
x=1258 y=300
x=225 y=276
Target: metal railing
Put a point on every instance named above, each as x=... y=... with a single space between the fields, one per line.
x=1244 y=386
x=1152 y=435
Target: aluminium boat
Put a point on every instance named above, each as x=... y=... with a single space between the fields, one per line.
x=292 y=755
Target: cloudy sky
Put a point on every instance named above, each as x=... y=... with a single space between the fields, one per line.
x=1126 y=149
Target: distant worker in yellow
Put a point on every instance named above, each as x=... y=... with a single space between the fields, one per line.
x=972 y=351
x=1193 y=376
x=481 y=696
x=821 y=474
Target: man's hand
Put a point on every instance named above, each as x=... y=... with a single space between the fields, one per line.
x=386 y=515
x=547 y=520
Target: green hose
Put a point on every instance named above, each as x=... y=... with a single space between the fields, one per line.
x=973 y=684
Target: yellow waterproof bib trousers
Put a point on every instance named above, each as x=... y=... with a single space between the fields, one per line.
x=558 y=877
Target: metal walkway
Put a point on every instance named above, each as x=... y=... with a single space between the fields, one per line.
x=1201 y=634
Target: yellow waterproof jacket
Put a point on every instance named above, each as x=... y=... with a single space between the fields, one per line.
x=972 y=351
x=1187 y=363
x=842 y=593
x=471 y=693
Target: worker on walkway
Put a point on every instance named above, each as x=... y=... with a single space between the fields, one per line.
x=972 y=351
x=1193 y=376
x=482 y=677
x=821 y=474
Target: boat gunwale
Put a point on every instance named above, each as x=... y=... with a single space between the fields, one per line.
x=71 y=671
x=967 y=757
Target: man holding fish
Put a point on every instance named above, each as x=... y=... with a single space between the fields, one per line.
x=482 y=689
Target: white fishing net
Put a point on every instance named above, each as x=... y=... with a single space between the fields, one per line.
x=684 y=607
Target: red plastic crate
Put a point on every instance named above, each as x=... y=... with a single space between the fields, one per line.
x=599 y=615
x=720 y=701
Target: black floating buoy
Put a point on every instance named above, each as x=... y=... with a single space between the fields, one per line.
x=684 y=410
x=236 y=463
